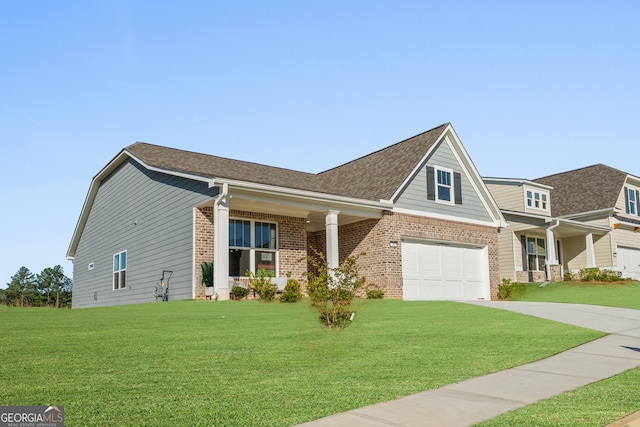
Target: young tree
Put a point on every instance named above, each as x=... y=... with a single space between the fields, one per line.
x=22 y=284
x=332 y=290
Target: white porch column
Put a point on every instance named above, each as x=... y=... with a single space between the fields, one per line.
x=221 y=246
x=552 y=258
x=591 y=253
x=331 y=223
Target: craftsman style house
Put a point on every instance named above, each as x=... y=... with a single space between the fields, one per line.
x=569 y=221
x=418 y=210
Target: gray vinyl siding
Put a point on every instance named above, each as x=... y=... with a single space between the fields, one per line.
x=414 y=196
x=148 y=214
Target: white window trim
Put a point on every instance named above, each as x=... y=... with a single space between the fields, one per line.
x=452 y=196
x=631 y=192
x=536 y=254
x=113 y=271
x=252 y=248
x=535 y=191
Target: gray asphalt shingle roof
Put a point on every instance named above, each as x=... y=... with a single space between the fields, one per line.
x=375 y=176
x=583 y=190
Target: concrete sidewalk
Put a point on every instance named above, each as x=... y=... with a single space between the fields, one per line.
x=479 y=399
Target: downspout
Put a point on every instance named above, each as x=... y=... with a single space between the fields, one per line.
x=549 y=231
x=216 y=245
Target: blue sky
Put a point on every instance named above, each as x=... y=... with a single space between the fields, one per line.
x=532 y=88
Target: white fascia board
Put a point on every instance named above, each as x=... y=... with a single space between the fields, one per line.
x=545 y=218
x=596 y=213
x=88 y=201
x=312 y=196
x=515 y=181
x=495 y=223
x=419 y=165
x=210 y=181
x=476 y=180
x=632 y=178
x=589 y=227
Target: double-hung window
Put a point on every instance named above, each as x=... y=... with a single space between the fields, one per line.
x=632 y=202
x=444 y=188
x=252 y=246
x=120 y=270
x=536 y=253
x=444 y=185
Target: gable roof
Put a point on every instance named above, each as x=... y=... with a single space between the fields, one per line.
x=211 y=167
x=375 y=176
x=370 y=181
x=586 y=189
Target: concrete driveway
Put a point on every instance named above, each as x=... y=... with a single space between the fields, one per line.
x=479 y=399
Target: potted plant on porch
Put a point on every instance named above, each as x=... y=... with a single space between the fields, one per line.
x=207 y=277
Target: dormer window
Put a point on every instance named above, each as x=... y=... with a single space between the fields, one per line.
x=631 y=198
x=537 y=199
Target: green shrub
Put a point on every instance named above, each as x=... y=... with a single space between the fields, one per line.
x=506 y=288
x=239 y=292
x=260 y=283
x=332 y=290
x=374 y=292
x=597 y=275
x=569 y=276
x=206 y=269
x=292 y=291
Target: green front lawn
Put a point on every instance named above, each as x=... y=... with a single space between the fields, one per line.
x=253 y=364
x=625 y=295
x=597 y=404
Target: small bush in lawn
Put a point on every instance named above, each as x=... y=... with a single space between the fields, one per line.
x=506 y=288
x=260 y=283
x=332 y=290
x=569 y=276
x=239 y=292
x=374 y=292
x=292 y=291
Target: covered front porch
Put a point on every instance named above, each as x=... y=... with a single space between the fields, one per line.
x=245 y=229
x=544 y=248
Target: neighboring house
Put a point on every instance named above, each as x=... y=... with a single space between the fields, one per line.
x=568 y=221
x=418 y=210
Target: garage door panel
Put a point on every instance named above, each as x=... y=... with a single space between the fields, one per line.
x=410 y=289
x=430 y=289
x=453 y=289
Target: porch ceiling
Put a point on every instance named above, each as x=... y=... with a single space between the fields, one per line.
x=315 y=217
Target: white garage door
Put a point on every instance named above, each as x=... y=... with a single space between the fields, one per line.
x=435 y=271
x=629 y=262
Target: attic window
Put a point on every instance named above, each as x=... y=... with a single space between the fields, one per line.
x=444 y=185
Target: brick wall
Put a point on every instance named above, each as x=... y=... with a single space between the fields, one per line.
x=292 y=242
x=381 y=263
x=369 y=239
x=203 y=244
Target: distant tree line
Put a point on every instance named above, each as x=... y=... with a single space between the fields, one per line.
x=50 y=288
